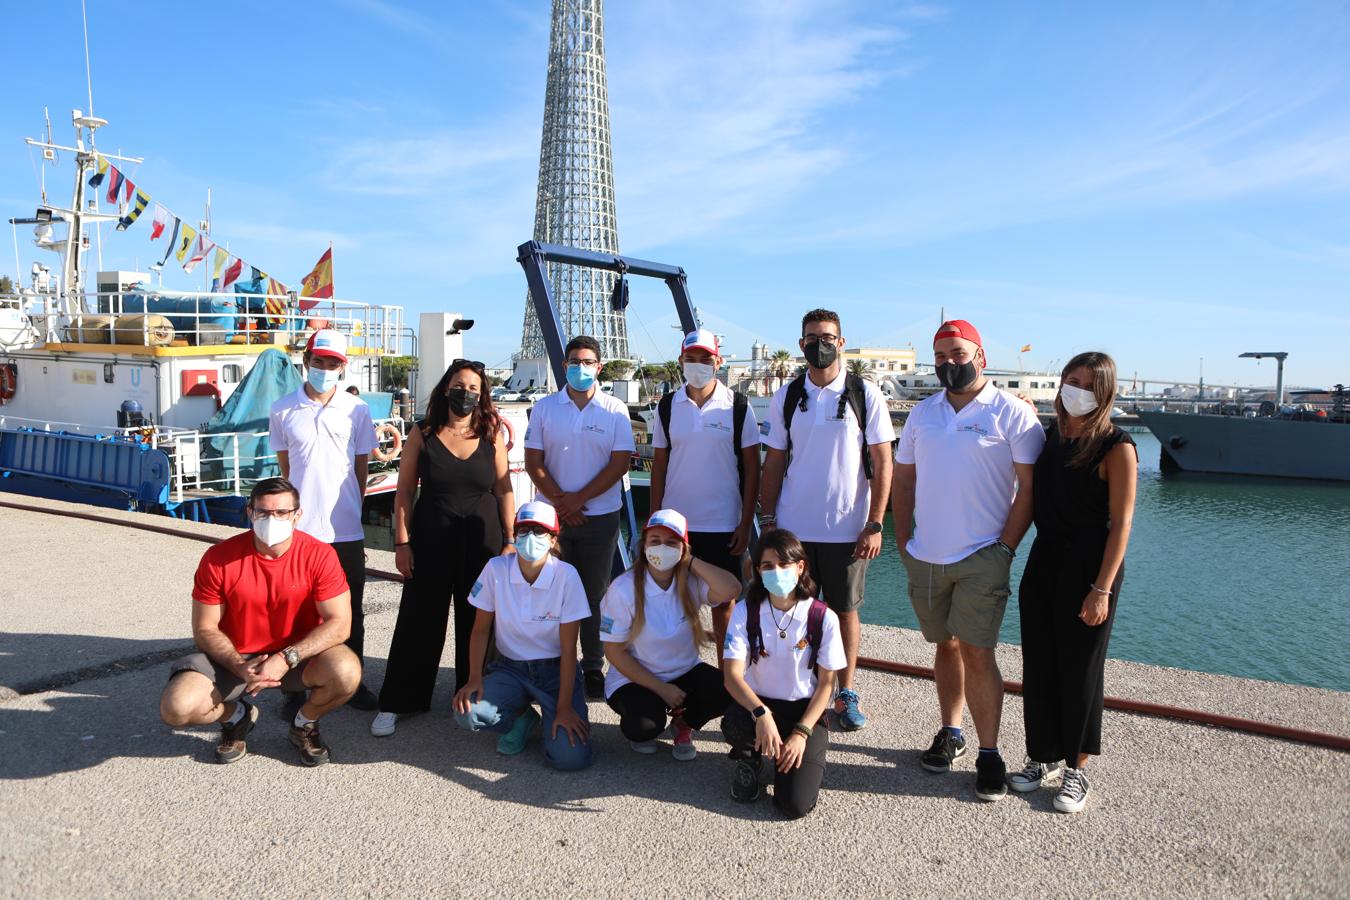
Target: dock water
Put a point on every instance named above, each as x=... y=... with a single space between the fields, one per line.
x=97 y=797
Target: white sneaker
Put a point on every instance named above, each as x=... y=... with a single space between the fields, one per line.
x=1033 y=774
x=644 y=746
x=384 y=724
x=1073 y=794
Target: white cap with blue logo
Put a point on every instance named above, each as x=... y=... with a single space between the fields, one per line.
x=671 y=519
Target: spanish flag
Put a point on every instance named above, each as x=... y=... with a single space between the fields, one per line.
x=318 y=284
x=1026 y=349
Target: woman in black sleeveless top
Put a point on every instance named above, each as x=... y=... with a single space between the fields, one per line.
x=1084 y=504
x=463 y=518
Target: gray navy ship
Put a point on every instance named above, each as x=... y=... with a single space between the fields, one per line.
x=1270 y=440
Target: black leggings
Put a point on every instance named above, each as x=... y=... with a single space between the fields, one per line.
x=642 y=713
x=795 y=792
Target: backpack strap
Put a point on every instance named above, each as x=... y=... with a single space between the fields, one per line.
x=815 y=628
x=739 y=406
x=857 y=398
x=663 y=413
x=792 y=401
x=753 y=633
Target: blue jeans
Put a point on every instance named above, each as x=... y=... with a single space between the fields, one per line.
x=509 y=686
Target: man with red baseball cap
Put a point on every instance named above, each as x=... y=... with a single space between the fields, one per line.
x=961 y=500
x=323 y=437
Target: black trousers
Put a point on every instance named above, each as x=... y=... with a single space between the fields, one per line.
x=1063 y=660
x=440 y=580
x=352 y=557
x=590 y=548
x=642 y=713
x=794 y=793
x=711 y=547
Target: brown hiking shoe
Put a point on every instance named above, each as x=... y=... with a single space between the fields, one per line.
x=232 y=747
x=313 y=751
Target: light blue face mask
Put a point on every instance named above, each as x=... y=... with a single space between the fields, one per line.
x=780 y=582
x=324 y=380
x=533 y=547
x=581 y=378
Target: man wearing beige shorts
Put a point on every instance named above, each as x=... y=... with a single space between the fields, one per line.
x=961 y=499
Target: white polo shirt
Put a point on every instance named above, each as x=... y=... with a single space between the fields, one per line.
x=665 y=645
x=825 y=495
x=577 y=443
x=702 y=478
x=964 y=467
x=786 y=673
x=323 y=442
x=527 y=616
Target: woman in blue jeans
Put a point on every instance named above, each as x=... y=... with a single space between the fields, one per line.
x=536 y=603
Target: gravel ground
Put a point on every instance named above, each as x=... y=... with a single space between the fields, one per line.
x=99 y=798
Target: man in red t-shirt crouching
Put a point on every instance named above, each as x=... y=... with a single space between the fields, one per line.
x=270 y=609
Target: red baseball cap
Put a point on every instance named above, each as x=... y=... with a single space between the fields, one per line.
x=326 y=342
x=958 y=328
x=703 y=339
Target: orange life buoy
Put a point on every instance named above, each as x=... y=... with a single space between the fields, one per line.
x=9 y=381
x=389 y=431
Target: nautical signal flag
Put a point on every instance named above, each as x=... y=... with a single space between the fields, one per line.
x=115 y=179
x=318 y=284
x=173 y=240
x=200 y=250
x=187 y=236
x=1026 y=349
x=162 y=216
x=232 y=274
x=276 y=301
x=142 y=201
x=97 y=178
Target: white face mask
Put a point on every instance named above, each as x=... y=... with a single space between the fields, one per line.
x=273 y=531
x=663 y=558
x=1077 y=402
x=698 y=374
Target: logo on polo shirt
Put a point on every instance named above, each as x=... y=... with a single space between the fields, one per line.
x=549 y=617
x=718 y=426
x=477 y=588
x=607 y=624
x=974 y=428
x=594 y=428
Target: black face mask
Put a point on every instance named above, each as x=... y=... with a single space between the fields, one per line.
x=462 y=401
x=820 y=354
x=957 y=376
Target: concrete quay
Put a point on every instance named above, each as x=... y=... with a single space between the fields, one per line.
x=98 y=798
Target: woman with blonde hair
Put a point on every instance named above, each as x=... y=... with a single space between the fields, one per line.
x=1083 y=507
x=652 y=631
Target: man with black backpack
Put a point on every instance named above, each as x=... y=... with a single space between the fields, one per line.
x=827 y=477
x=706 y=462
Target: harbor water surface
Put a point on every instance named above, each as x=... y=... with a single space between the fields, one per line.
x=1237 y=576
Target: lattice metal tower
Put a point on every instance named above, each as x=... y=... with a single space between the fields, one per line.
x=575 y=200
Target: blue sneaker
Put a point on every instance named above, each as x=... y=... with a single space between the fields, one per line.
x=851 y=718
x=514 y=740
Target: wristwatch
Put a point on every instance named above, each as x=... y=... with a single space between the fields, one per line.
x=872 y=528
x=759 y=711
x=292 y=657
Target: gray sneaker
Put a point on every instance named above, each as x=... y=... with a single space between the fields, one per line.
x=1073 y=793
x=1033 y=775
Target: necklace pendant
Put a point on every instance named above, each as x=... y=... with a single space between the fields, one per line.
x=782 y=634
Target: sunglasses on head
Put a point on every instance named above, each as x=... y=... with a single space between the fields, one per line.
x=468 y=364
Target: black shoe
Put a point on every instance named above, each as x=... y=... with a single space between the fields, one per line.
x=946 y=749
x=291 y=705
x=595 y=684
x=232 y=747
x=991 y=777
x=745 y=781
x=364 y=699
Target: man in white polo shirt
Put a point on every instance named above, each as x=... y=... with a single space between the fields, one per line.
x=578 y=446
x=962 y=502
x=323 y=437
x=827 y=477
x=706 y=462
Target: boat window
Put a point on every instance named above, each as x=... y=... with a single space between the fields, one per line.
x=231 y=373
x=1014 y=384
x=108 y=373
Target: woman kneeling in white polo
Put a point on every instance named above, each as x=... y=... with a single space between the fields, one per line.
x=649 y=621
x=537 y=603
x=779 y=661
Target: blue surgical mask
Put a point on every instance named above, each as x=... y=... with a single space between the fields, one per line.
x=533 y=547
x=780 y=582
x=581 y=378
x=324 y=380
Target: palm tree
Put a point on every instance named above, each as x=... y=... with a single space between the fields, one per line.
x=780 y=366
x=862 y=368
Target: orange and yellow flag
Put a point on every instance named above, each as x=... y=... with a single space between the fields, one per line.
x=318 y=284
x=1026 y=349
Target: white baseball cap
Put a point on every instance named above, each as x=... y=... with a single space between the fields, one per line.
x=671 y=519
x=327 y=342
x=537 y=512
x=703 y=339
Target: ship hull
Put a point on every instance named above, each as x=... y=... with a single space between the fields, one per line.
x=1234 y=445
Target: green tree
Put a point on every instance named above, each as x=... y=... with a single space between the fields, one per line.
x=6 y=285
x=780 y=366
x=394 y=371
x=616 y=370
x=862 y=368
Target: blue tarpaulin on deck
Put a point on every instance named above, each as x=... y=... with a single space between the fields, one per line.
x=271 y=378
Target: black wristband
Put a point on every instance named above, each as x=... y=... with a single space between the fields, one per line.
x=802 y=729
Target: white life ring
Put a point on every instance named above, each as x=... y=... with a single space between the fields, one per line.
x=510 y=432
x=389 y=431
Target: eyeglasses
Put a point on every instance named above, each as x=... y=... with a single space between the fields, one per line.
x=468 y=364
x=533 y=529
x=258 y=515
x=583 y=362
x=830 y=339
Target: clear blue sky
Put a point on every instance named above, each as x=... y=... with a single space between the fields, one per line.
x=1165 y=181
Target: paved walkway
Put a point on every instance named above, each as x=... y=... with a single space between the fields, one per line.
x=97 y=797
